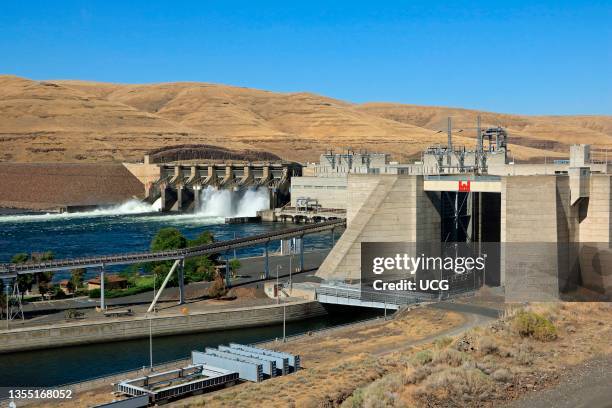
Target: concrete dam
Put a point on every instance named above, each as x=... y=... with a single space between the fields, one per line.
x=189 y=187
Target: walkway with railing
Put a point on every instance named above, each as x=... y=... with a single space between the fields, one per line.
x=12 y=270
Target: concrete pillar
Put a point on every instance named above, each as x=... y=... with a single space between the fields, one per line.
x=265 y=172
x=534 y=236
x=266 y=262
x=248 y=172
x=183 y=197
x=301 y=253
x=197 y=199
x=228 y=280
x=181 y=282
x=102 y=303
x=168 y=198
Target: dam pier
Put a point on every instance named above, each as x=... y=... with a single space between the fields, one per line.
x=181 y=187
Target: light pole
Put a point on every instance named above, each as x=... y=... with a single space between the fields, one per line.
x=150 y=344
x=284 y=320
x=290 y=281
x=277 y=287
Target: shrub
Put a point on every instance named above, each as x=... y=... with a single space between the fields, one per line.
x=355 y=400
x=443 y=342
x=422 y=357
x=417 y=375
x=487 y=345
x=530 y=324
x=502 y=375
x=449 y=357
x=524 y=355
x=457 y=382
x=383 y=392
x=217 y=288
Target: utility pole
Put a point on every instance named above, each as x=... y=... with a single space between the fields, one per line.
x=449 y=144
x=479 y=149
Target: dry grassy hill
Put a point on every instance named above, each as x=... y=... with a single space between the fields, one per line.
x=87 y=121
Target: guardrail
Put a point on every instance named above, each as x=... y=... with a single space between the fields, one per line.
x=364 y=296
x=12 y=270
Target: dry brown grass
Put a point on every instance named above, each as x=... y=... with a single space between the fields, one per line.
x=88 y=121
x=336 y=363
x=486 y=365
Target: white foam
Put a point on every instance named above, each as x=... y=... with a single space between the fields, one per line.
x=129 y=207
x=229 y=203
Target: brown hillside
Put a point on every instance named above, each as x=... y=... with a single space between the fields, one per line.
x=87 y=121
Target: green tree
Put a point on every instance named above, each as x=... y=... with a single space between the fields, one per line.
x=234 y=266
x=76 y=278
x=19 y=258
x=205 y=237
x=199 y=269
x=168 y=238
x=24 y=283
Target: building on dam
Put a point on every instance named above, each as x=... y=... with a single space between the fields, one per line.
x=549 y=224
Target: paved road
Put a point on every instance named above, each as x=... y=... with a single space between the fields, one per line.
x=588 y=385
x=249 y=272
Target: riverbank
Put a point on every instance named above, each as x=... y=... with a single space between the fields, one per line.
x=185 y=320
x=333 y=350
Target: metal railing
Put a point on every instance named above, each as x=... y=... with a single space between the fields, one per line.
x=12 y=270
x=365 y=296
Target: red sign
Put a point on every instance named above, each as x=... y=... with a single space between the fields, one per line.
x=464 y=186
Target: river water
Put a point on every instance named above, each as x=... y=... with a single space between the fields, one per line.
x=44 y=368
x=128 y=228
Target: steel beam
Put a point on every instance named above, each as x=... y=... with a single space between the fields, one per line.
x=267 y=263
x=163 y=286
x=9 y=270
x=181 y=281
x=302 y=253
x=102 y=304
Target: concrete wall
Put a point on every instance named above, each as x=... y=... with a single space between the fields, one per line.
x=537 y=226
x=381 y=208
x=595 y=231
x=123 y=329
x=330 y=191
x=146 y=173
x=534 y=169
x=49 y=186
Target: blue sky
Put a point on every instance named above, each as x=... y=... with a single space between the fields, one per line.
x=508 y=56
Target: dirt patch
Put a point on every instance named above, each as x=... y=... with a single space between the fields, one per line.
x=523 y=352
x=335 y=363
